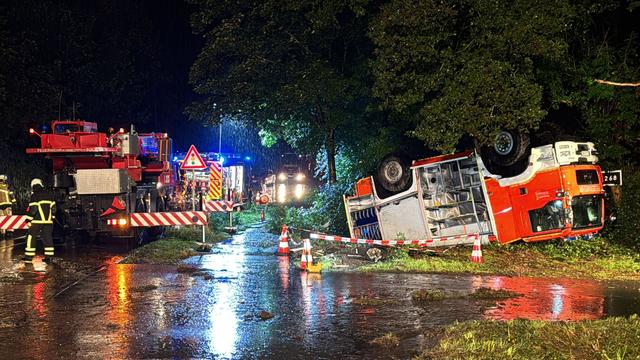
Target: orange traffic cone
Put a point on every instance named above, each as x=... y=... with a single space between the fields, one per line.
x=283 y=246
x=262 y=215
x=476 y=254
x=307 y=258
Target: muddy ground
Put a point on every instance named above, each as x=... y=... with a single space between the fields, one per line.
x=89 y=306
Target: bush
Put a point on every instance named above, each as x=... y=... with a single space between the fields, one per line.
x=325 y=214
x=626 y=229
x=578 y=249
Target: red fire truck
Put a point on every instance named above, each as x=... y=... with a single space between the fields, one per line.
x=99 y=178
x=453 y=197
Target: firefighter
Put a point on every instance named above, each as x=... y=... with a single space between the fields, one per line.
x=7 y=200
x=42 y=209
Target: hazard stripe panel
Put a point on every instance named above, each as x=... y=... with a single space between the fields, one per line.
x=215 y=181
x=441 y=241
x=218 y=206
x=14 y=222
x=168 y=218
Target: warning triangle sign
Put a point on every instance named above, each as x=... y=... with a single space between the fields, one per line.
x=193 y=160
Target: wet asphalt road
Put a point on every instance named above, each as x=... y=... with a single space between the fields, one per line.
x=150 y=311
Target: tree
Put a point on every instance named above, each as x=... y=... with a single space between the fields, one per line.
x=296 y=68
x=468 y=67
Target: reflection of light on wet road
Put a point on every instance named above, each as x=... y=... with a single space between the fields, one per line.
x=545 y=299
x=557 y=292
x=283 y=270
x=227 y=266
x=39 y=301
x=119 y=312
x=222 y=333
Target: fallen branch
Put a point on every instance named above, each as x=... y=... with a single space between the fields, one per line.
x=613 y=83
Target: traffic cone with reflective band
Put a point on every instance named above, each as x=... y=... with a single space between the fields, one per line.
x=306 y=254
x=283 y=246
x=476 y=254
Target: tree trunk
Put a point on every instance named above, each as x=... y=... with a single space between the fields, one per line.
x=330 y=147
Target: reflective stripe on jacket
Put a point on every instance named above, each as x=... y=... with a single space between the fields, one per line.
x=6 y=197
x=42 y=208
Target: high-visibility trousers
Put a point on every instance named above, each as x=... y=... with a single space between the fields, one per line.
x=39 y=232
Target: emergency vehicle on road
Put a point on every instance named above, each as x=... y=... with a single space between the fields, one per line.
x=453 y=197
x=99 y=179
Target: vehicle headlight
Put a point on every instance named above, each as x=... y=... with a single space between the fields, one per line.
x=300 y=177
x=282 y=193
x=299 y=191
x=282 y=176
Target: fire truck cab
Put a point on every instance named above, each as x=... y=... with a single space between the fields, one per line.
x=559 y=195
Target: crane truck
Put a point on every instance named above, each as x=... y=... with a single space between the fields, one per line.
x=100 y=178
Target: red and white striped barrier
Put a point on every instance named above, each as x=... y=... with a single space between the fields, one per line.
x=169 y=218
x=433 y=242
x=218 y=206
x=14 y=222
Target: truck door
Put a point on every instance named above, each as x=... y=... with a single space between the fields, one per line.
x=538 y=210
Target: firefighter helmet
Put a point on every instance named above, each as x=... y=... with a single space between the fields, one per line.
x=3 y=178
x=35 y=182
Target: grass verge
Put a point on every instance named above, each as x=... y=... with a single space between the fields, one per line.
x=589 y=259
x=611 y=338
x=178 y=244
x=245 y=218
x=386 y=340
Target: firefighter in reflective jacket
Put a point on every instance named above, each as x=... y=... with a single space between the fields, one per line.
x=7 y=200
x=42 y=209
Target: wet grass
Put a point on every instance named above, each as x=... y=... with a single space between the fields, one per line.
x=491 y=294
x=611 y=338
x=247 y=217
x=387 y=340
x=178 y=244
x=588 y=259
x=371 y=301
x=427 y=295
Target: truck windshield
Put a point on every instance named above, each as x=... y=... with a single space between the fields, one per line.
x=587 y=211
x=66 y=128
x=148 y=145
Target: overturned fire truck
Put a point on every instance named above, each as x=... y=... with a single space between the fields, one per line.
x=452 y=199
x=100 y=179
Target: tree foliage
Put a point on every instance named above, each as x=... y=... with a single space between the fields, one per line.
x=468 y=67
x=296 y=68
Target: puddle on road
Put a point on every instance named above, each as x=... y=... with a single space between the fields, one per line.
x=317 y=316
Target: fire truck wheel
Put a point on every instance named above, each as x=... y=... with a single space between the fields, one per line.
x=508 y=151
x=392 y=175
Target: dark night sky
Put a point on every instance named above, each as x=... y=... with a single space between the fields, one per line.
x=114 y=62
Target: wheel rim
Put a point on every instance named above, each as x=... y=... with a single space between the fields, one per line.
x=504 y=143
x=393 y=171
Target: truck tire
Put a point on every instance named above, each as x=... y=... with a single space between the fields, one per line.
x=148 y=234
x=508 y=154
x=393 y=175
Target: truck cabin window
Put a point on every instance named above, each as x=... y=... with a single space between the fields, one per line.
x=548 y=217
x=66 y=128
x=587 y=211
x=148 y=145
x=587 y=177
